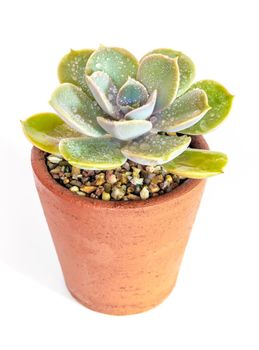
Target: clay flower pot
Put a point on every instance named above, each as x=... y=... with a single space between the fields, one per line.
x=119 y=257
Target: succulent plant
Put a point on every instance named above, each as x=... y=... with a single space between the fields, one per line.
x=111 y=108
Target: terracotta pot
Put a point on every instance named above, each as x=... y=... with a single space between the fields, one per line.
x=118 y=257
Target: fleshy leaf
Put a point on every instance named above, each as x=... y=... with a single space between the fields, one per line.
x=161 y=73
x=104 y=91
x=71 y=69
x=132 y=94
x=197 y=164
x=144 y=111
x=45 y=130
x=99 y=153
x=118 y=63
x=186 y=67
x=155 y=149
x=220 y=101
x=186 y=110
x=77 y=109
x=125 y=129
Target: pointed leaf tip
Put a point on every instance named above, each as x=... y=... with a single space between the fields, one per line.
x=77 y=109
x=45 y=130
x=132 y=94
x=186 y=67
x=197 y=164
x=161 y=73
x=104 y=91
x=220 y=101
x=118 y=63
x=71 y=69
x=184 y=112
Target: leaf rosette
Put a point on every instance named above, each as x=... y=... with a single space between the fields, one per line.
x=111 y=108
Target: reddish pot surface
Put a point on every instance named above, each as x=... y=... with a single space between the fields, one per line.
x=118 y=257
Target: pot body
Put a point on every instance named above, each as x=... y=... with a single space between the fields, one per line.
x=118 y=258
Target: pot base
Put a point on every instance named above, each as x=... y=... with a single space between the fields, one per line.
x=120 y=311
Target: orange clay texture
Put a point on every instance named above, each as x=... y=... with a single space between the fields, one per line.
x=118 y=257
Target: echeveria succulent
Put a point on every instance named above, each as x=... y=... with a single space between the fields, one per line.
x=112 y=108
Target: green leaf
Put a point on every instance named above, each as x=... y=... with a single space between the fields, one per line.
x=220 y=101
x=77 y=109
x=132 y=94
x=118 y=63
x=186 y=68
x=197 y=164
x=100 y=153
x=125 y=129
x=104 y=91
x=71 y=69
x=155 y=149
x=161 y=73
x=45 y=130
x=184 y=112
x=144 y=111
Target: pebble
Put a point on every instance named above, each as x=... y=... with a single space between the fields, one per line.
x=106 y=196
x=74 y=189
x=111 y=178
x=153 y=188
x=117 y=193
x=144 y=193
x=81 y=193
x=75 y=172
x=56 y=170
x=133 y=197
x=88 y=189
x=129 y=182
x=54 y=159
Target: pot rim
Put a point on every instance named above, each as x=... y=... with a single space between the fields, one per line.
x=41 y=172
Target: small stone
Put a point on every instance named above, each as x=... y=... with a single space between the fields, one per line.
x=169 y=179
x=66 y=181
x=132 y=197
x=157 y=179
x=144 y=193
x=150 y=169
x=88 y=189
x=111 y=178
x=99 y=191
x=100 y=179
x=76 y=183
x=137 y=181
x=123 y=178
x=54 y=159
x=75 y=172
x=153 y=188
x=157 y=169
x=74 y=189
x=126 y=166
x=51 y=165
x=107 y=187
x=117 y=193
x=106 y=196
x=130 y=189
x=136 y=172
x=82 y=194
x=137 y=189
x=56 y=170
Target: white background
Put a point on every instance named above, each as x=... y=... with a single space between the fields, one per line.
x=215 y=303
